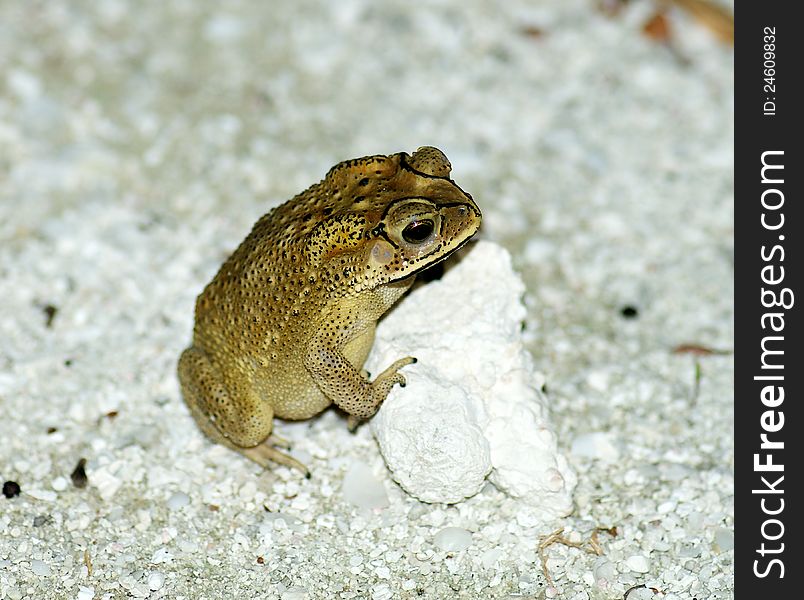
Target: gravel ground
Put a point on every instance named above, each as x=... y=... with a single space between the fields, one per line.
x=139 y=142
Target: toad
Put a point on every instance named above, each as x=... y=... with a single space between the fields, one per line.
x=285 y=326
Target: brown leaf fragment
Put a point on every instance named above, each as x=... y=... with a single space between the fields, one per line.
x=657 y=27
x=88 y=562
x=697 y=350
x=532 y=31
x=718 y=19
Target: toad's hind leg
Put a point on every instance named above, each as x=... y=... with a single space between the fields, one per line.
x=235 y=419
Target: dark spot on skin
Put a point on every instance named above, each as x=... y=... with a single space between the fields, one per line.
x=327 y=212
x=629 y=312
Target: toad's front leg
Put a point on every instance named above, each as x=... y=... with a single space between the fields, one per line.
x=343 y=383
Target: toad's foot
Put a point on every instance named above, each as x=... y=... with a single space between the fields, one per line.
x=264 y=454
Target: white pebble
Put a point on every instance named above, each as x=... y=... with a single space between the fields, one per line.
x=638 y=563
x=362 y=489
x=105 y=481
x=24 y=84
x=13 y=593
x=489 y=557
x=40 y=568
x=724 y=539
x=453 y=539
x=295 y=593
x=161 y=555
x=155 y=581
x=85 y=593
x=178 y=500
x=383 y=572
x=356 y=561
x=46 y=495
x=643 y=593
x=596 y=445
x=59 y=484
x=381 y=592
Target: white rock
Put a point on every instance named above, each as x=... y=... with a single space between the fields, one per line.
x=40 y=568
x=453 y=539
x=13 y=593
x=471 y=408
x=490 y=557
x=39 y=494
x=724 y=539
x=155 y=581
x=59 y=484
x=382 y=572
x=105 y=480
x=362 y=489
x=295 y=593
x=85 y=593
x=596 y=445
x=638 y=563
x=178 y=500
x=431 y=442
x=24 y=84
x=381 y=591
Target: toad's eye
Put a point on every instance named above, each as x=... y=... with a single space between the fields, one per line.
x=418 y=231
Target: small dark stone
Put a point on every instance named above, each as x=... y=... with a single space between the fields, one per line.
x=629 y=312
x=50 y=314
x=79 y=475
x=40 y=520
x=11 y=489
